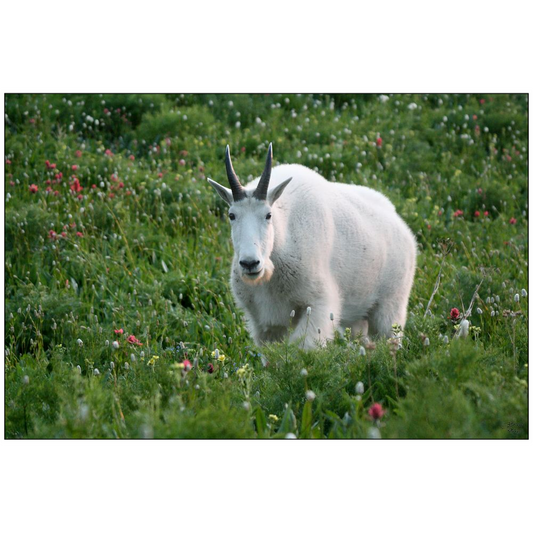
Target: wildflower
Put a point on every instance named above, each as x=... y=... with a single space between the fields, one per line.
x=463 y=328
x=215 y=354
x=273 y=418
x=241 y=371
x=106 y=343
x=221 y=358
x=379 y=142
x=359 y=388
x=374 y=433
x=479 y=311
x=512 y=221
x=292 y=313
x=412 y=106
x=458 y=213
x=376 y=411
x=290 y=436
x=80 y=343
x=52 y=235
x=383 y=98
x=246 y=405
x=445 y=339
x=126 y=365
x=26 y=380
x=152 y=360
x=33 y=188
x=303 y=372
x=486 y=213
x=524 y=293
x=112 y=365
x=96 y=372
x=310 y=395
x=119 y=331
x=186 y=365
x=78 y=368
x=454 y=313
x=79 y=234
x=517 y=297
x=308 y=311
x=76 y=187
x=115 y=345
x=132 y=340
x=210 y=368
x=476 y=214
x=362 y=351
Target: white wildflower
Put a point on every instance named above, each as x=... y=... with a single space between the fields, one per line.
x=303 y=372
x=463 y=328
x=310 y=395
x=517 y=297
x=359 y=388
x=308 y=311
x=96 y=372
x=290 y=436
x=362 y=351
x=116 y=345
x=524 y=293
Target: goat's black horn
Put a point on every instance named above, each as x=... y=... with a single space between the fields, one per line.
x=236 y=188
x=261 y=192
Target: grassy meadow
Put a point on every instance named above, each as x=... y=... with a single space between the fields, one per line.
x=119 y=319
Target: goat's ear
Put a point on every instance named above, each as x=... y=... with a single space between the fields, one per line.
x=223 y=192
x=275 y=193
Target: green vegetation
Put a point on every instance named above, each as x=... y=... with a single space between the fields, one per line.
x=119 y=319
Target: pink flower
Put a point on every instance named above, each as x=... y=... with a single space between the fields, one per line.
x=458 y=213
x=476 y=214
x=33 y=188
x=376 y=411
x=79 y=234
x=8 y=162
x=187 y=365
x=52 y=235
x=78 y=153
x=76 y=187
x=486 y=213
x=133 y=340
x=512 y=221
x=379 y=142
x=109 y=153
x=454 y=313
x=182 y=162
x=132 y=157
x=119 y=331
x=482 y=101
x=74 y=167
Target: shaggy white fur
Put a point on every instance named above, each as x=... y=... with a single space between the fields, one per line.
x=336 y=248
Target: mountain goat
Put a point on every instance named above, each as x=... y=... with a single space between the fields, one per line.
x=316 y=256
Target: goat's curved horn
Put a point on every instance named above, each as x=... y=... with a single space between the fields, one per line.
x=261 y=192
x=236 y=188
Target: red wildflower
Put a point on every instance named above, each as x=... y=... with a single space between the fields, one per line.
x=80 y=196
x=486 y=213
x=74 y=167
x=474 y=117
x=12 y=183
x=111 y=195
x=379 y=142
x=93 y=186
x=512 y=221
x=8 y=162
x=476 y=213
x=79 y=234
x=132 y=157
x=482 y=101
x=458 y=213
x=52 y=235
x=119 y=331
x=132 y=340
x=454 y=313
x=187 y=365
x=64 y=234
x=160 y=175
x=210 y=368
x=76 y=187
x=33 y=188
x=78 y=153
x=376 y=411
x=108 y=152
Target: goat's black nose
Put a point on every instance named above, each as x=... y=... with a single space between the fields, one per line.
x=249 y=265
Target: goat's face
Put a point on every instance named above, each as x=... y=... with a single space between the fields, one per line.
x=251 y=218
x=252 y=233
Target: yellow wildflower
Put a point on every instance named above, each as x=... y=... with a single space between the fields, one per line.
x=273 y=418
x=153 y=359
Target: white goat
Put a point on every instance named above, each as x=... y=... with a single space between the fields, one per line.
x=302 y=242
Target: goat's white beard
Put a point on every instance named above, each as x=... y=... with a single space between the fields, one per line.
x=265 y=276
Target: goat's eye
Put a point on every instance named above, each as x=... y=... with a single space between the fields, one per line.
x=269 y=216
x=231 y=216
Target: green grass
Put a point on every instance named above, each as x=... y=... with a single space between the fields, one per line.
x=153 y=252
